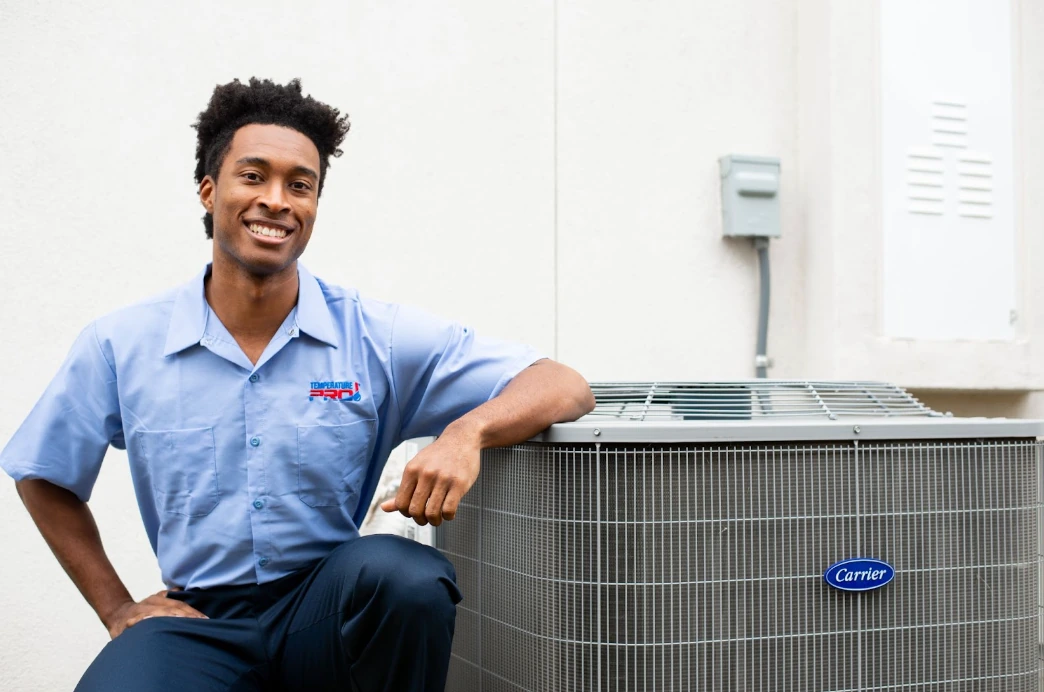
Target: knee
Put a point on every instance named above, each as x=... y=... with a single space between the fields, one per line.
x=408 y=577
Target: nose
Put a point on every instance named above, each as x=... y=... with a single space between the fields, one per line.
x=274 y=198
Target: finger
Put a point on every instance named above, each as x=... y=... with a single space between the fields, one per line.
x=406 y=488
x=169 y=612
x=157 y=599
x=186 y=610
x=152 y=613
x=452 y=502
x=433 y=508
x=165 y=602
x=421 y=493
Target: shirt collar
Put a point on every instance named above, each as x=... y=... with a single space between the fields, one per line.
x=313 y=312
x=188 y=319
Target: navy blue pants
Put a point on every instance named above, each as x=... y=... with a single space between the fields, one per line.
x=375 y=615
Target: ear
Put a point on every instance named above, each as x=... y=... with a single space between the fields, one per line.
x=206 y=194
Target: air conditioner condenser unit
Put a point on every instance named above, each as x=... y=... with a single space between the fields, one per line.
x=755 y=536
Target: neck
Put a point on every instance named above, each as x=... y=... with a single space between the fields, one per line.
x=250 y=306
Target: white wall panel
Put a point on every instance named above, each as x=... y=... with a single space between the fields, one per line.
x=947 y=169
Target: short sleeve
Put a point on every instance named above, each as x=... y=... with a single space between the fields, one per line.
x=441 y=370
x=66 y=435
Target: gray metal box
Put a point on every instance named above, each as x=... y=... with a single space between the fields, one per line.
x=750 y=196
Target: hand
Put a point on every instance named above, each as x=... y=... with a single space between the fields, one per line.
x=435 y=480
x=156 y=605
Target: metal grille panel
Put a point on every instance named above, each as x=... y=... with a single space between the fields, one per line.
x=748 y=399
x=699 y=567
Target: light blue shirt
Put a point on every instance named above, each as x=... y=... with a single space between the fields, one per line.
x=244 y=473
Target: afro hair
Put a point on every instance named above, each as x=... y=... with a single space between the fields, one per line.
x=264 y=102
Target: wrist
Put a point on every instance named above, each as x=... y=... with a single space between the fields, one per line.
x=111 y=613
x=467 y=430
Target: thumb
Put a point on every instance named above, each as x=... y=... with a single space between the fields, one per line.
x=389 y=506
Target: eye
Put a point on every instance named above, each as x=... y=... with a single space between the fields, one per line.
x=300 y=185
x=251 y=176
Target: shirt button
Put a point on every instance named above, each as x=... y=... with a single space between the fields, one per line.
x=293 y=331
x=255 y=441
x=255 y=377
x=263 y=561
x=258 y=504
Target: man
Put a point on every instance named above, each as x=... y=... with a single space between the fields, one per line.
x=257 y=406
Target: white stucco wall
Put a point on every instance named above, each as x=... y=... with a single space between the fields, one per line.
x=649 y=96
x=545 y=171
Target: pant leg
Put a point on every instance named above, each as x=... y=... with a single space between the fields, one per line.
x=166 y=654
x=375 y=616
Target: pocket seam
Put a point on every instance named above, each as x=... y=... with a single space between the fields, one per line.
x=158 y=493
x=351 y=460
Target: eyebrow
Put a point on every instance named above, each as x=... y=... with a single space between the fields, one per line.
x=258 y=161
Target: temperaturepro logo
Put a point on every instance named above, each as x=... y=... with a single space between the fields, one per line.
x=339 y=391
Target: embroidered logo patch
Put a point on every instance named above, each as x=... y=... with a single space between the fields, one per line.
x=341 y=391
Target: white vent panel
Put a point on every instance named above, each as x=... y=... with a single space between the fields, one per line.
x=947 y=178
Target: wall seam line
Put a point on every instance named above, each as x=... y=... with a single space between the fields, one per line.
x=554 y=175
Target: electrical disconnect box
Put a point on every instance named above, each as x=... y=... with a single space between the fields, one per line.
x=750 y=196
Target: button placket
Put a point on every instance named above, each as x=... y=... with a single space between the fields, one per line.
x=254 y=407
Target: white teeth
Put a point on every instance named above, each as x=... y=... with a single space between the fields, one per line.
x=266 y=231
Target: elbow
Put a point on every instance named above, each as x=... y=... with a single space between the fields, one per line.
x=583 y=397
x=572 y=396
x=587 y=400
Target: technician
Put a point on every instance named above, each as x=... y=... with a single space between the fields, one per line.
x=258 y=406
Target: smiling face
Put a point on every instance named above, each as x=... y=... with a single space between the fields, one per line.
x=264 y=199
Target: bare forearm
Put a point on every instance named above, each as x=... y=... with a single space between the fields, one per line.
x=435 y=480
x=541 y=395
x=69 y=529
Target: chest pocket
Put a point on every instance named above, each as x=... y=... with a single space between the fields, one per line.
x=183 y=470
x=331 y=462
